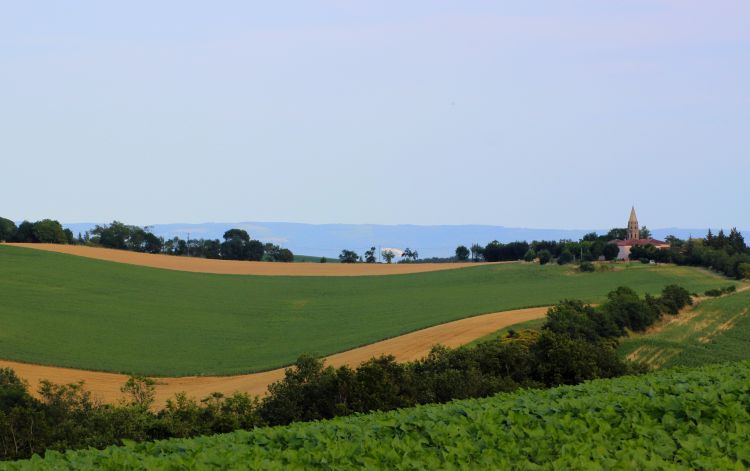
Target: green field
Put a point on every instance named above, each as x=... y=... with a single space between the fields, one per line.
x=673 y=419
x=314 y=259
x=717 y=330
x=72 y=311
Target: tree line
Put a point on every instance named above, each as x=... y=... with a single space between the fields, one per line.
x=46 y=231
x=727 y=254
x=577 y=343
x=590 y=248
x=236 y=244
x=370 y=256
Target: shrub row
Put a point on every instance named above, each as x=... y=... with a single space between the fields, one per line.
x=673 y=419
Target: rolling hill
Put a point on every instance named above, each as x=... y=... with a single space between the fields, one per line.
x=72 y=311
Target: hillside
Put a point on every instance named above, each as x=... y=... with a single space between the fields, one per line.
x=715 y=331
x=72 y=311
x=676 y=419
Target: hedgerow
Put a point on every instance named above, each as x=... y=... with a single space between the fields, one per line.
x=691 y=419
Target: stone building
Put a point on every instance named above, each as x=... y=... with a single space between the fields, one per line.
x=634 y=238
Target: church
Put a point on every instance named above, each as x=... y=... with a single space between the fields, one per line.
x=634 y=238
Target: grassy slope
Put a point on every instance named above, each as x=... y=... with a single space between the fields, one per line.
x=313 y=259
x=535 y=324
x=71 y=311
x=690 y=419
x=717 y=330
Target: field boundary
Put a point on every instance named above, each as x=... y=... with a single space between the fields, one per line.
x=105 y=386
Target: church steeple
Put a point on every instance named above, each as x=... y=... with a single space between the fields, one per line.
x=634 y=231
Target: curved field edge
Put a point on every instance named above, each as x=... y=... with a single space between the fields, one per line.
x=677 y=419
x=106 y=386
x=240 y=267
x=95 y=315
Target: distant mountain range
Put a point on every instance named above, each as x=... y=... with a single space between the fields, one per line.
x=329 y=239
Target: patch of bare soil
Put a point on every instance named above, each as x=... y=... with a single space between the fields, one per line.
x=236 y=267
x=412 y=346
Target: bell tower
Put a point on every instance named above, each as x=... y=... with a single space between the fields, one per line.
x=634 y=233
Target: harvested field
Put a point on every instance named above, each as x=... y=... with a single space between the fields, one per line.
x=106 y=386
x=236 y=267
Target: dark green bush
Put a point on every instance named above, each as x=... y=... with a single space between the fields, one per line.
x=673 y=298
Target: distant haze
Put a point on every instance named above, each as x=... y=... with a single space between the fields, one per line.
x=329 y=239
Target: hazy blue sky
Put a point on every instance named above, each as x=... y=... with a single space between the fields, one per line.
x=537 y=114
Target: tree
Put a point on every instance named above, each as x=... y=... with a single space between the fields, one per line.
x=721 y=240
x=285 y=255
x=493 y=252
x=627 y=310
x=645 y=233
x=462 y=253
x=25 y=233
x=530 y=255
x=141 y=391
x=544 y=257
x=477 y=251
x=49 y=231
x=237 y=245
x=596 y=249
x=255 y=250
x=673 y=298
x=152 y=243
x=610 y=252
x=617 y=234
x=579 y=321
x=710 y=239
x=388 y=255
x=497 y=252
x=736 y=241
x=674 y=241
x=274 y=253
x=410 y=254
x=370 y=255
x=565 y=257
x=113 y=236
x=348 y=256
x=560 y=359
x=591 y=237
x=7 y=230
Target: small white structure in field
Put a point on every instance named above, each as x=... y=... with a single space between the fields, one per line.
x=397 y=253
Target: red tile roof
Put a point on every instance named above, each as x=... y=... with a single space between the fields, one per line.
x=630 y=243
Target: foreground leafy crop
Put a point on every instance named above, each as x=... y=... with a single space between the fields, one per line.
x=695 y=419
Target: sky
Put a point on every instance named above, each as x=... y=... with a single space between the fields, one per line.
x=523 y=114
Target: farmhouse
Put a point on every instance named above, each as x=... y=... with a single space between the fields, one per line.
x=634 y=238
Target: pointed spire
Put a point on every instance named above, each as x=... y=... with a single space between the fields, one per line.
x=633 y=217
x=634 y=232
